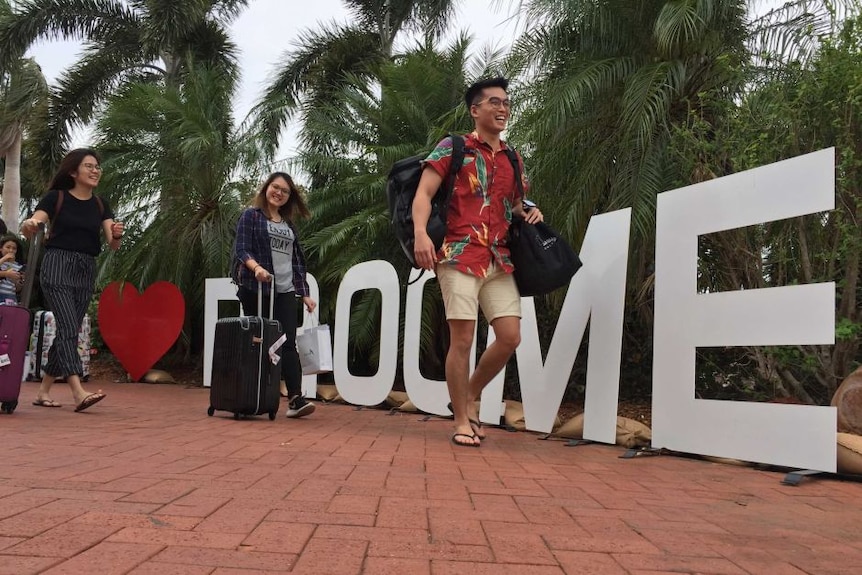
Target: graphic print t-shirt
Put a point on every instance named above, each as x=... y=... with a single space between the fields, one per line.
x=281 y=240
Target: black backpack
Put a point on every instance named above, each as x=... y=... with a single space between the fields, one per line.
x=401 y=187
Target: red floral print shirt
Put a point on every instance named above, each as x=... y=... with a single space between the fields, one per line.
x=480 y=209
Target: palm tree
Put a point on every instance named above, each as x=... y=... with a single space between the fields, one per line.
x=23 y=93
x=810 y=106
x=133 y=40
x=608 y=80
x=606 y=85
x=328 y=58
x=154 y=136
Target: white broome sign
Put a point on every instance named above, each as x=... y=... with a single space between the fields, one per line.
x=789 y=435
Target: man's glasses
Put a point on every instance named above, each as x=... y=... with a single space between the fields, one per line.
x=496 y=102
x=92 y=167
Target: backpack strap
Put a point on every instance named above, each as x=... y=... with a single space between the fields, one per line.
x=516 y=165
x=454 y=168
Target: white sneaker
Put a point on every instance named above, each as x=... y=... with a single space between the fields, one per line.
x=299 y=407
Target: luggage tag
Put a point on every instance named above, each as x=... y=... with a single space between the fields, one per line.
x=4 y=352
x=273 y=349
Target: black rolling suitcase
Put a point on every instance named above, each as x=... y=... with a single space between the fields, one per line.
x=245 y=381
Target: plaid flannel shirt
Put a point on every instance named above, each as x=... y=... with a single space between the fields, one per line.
x=252 y=241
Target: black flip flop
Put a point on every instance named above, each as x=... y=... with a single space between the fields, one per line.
x=46 y=403
x=89 y=401
x=475 y=424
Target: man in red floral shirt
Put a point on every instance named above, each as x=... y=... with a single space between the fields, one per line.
x=473 y=266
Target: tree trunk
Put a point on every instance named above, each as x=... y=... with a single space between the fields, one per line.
x=12 y=184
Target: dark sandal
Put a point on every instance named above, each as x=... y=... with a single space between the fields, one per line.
x=89 y=401
x=475 y=424
x=477 y=427
x=46 y=403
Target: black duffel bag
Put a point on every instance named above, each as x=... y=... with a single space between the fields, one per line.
x=543 y=260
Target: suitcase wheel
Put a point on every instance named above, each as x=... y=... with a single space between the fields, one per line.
x=211 y=411
x=8 y=406
x=272 y=416
x=236 y=415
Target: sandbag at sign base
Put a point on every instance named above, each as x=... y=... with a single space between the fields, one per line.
x=848 y=400
x=157 y=376
x=849 y=453
x=630 y=433
x=399 y=401
x=408 y=407
x=328 y=392
x=514 y=416
x=395 y=399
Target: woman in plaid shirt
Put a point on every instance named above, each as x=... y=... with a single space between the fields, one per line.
x=267 y=248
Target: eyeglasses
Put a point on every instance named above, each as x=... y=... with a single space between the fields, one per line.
x=281 y=189
x=496 y=102
x=92 y=167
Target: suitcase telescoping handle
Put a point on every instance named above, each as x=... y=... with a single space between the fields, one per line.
x=32 y=260
x=271 y=297
x=260 y=303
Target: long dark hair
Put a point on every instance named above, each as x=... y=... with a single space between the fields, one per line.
x=63 y=178
x=295 y=205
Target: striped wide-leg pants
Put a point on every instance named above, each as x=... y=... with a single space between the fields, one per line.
x=67 y=280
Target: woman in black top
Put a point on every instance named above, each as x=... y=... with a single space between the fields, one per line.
x=68 y=270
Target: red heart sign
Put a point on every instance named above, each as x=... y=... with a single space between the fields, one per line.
x=140 y=328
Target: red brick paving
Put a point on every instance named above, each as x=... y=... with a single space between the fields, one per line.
x=146 y=484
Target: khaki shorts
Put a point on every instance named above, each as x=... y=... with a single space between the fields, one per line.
x=497 y=293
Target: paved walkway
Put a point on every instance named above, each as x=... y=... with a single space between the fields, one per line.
x=146 y=483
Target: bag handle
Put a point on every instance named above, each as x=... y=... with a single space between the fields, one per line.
x=32 y=260
x=516 y=165
x=315 y=322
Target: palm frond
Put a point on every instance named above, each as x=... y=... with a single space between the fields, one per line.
x=59 y=19
x=792 y=30
x=312 y=72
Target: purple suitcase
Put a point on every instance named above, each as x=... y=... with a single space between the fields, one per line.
x=14 y=336
x=15 y=333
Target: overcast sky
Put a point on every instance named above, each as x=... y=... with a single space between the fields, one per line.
x=267 y=29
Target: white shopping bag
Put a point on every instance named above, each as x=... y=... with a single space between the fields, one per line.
x=315 y=350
